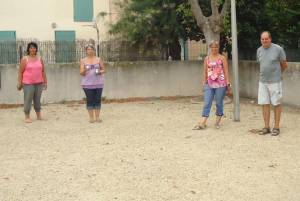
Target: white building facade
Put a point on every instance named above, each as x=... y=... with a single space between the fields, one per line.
x=54 y=19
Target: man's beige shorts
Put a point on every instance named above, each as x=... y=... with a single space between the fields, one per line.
x=269 y=93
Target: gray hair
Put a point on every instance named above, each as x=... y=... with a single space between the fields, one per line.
x=89 y=46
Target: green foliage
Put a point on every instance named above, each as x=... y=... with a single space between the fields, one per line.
x=148 y=21
x=189 y=28
x=163 y=22
x=251 y=20
x=281 y=18
x=285 y=19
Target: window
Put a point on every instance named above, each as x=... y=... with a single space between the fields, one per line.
x=83 y=10
x=65 y=46
x=8 y=47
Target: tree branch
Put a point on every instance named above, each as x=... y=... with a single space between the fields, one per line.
x=214 y=7
x=197 y=11
x=225 y=8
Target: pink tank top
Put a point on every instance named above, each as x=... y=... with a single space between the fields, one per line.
x=33 y=73
x=215 y=74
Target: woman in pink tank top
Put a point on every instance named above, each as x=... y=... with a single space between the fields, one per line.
x=215 y=84
x=32 y=79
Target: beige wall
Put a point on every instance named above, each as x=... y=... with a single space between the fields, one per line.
x=33 y=18
x=144 y=79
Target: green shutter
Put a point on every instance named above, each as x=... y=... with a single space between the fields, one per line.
x=8 y=47
x=83 y=10
x=65 y=46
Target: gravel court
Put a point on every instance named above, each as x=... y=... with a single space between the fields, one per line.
x=147 y=150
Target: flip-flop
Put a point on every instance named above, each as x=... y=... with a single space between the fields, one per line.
x=255 y=130
x=199 y=127
x=263 y=131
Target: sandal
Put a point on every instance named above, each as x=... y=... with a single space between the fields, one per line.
x=275 y=131
x=199 y=127
x=218 y=121
x=254 y=130
x=264 y=131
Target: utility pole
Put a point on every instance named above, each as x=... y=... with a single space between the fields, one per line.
x=236 y=94
x=98 y=37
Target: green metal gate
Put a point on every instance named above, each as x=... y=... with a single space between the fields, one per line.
x=8 y=47
x=65 y=46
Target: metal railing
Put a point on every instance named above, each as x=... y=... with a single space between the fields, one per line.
x=73 y=51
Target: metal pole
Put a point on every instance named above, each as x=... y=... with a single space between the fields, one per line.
x=20 y=52
x=236 y=98
x=98 y=41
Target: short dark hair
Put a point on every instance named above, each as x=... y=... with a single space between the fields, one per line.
x=267 y=33
x=31 y=44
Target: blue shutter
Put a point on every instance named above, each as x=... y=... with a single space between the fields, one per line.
x=83 y=10
x=7 y=36
x=8 y=47
x=65 y=46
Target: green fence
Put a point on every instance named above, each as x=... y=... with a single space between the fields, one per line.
x=50 y=51
x=73 y=51
x=8 y=52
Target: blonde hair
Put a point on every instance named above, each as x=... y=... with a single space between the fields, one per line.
x=213 y=42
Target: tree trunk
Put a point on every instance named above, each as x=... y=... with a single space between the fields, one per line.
x=213 y=25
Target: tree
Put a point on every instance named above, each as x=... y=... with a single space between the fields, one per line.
x=151 y=23
x=281 y=18
x=212 y=25
x=285 y=19
x=163 y=22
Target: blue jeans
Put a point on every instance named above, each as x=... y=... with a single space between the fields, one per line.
x=93 y=98
x=209 y=95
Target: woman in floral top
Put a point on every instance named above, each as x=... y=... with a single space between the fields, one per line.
x=215 y=84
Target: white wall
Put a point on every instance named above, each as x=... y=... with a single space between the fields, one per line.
x=33 y=18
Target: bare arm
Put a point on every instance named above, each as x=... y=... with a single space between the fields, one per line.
x=44 y=72
x=283 y=65
x=226 y=71
x=20 y=73
x=204 y=71
x=82 y=69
